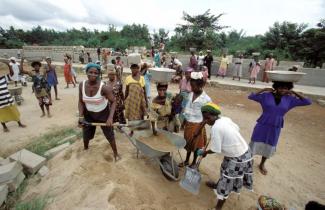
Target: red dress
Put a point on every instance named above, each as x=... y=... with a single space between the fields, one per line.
x=67 y=73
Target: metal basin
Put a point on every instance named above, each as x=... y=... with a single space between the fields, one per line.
x=285 y=76
x=162 y=74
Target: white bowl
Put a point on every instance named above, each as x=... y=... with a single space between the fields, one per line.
x=161 y=74
x=285 y=76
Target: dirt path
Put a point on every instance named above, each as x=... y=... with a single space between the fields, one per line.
x=91 y=180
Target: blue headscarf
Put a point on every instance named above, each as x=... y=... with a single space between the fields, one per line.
x=93 y=65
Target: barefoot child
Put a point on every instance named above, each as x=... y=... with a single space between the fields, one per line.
x=40 y=87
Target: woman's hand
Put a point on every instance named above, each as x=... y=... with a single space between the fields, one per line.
x=109 y=122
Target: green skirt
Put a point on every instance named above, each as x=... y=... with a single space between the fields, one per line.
x=9 y=113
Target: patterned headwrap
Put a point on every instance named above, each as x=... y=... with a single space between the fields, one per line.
x=93 y=65
x=196 y=75
x=211 y=108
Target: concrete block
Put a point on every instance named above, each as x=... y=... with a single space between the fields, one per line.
x=16 y=182
x=30 y=161
x=4 y=161
x=9 y=171
x=69 y=138
x=43 y=171
x=54 y=151
x=3 y=193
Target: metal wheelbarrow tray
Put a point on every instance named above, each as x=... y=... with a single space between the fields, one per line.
x=164 y=158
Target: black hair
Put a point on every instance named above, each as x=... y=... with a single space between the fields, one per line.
x=162 y=85
x=198 y=82
x=313 y=205
x=134 y=66
x=36 y=63
x=118 y=57
x=277 y=85
x=113 y=61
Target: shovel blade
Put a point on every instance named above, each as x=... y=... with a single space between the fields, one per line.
x=191 y=181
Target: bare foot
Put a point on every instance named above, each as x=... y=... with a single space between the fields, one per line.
x=57 y=98
x=22 y=125
x=183 y=164
x=262 y=169
x=117 y=158
x=6 y=130
x=49 y=115
x=211 y=184
x=43 y=115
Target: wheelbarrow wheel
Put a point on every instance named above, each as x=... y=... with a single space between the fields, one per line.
x=167 y=164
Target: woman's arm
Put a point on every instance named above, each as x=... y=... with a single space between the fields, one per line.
x=107 y=91
x=81 y=105
x=126 y=92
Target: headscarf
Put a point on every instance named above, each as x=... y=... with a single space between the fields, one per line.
x=211 y=108
x=93 y=65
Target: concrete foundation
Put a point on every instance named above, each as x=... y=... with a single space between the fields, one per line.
x=56 y=150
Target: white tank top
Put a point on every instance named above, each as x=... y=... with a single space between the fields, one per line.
x=95 y=103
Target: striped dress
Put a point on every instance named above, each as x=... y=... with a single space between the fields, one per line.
x=8 y=109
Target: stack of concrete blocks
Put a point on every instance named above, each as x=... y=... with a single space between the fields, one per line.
x=30 y=161
x=12 y=170
x=11 y=176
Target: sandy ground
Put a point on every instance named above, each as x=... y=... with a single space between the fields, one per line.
x=90 y=179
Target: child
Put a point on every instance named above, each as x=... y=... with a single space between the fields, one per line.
x=176 y=111
x=41 y=88
x=255 y=68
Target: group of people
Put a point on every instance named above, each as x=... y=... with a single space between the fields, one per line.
x=191 y=109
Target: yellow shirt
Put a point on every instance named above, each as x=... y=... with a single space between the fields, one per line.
x=129 y=79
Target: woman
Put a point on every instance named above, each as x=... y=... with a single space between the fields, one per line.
x=254 y=70
x=200 y=60
x=117 y=88
x=275 y=103
x=236 y=168
x=185 y=86
x=193 y=61
x=8 y=108
x=162 y=104
x=135 y=95
x=68 y=71
x=194 y=131
x=147 y=78
x=237 y=72
x=96 y=105
x=223 y=66
x=51 y=77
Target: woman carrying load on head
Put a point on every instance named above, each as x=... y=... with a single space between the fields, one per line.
x=275 y=102
x=8 y=108
x=194 y=131
x=96 y=105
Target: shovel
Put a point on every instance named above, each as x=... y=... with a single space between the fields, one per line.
x=136 y=124
x=192 y=177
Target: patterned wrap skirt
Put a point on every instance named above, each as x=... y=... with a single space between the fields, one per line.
x=9 y=113
x=235 y=173
x=135 y=103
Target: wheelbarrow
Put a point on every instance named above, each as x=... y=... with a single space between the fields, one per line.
x=162 y=156
x=16 y=92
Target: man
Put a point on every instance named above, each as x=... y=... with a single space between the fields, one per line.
x=208 y=59
x=236 y=169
